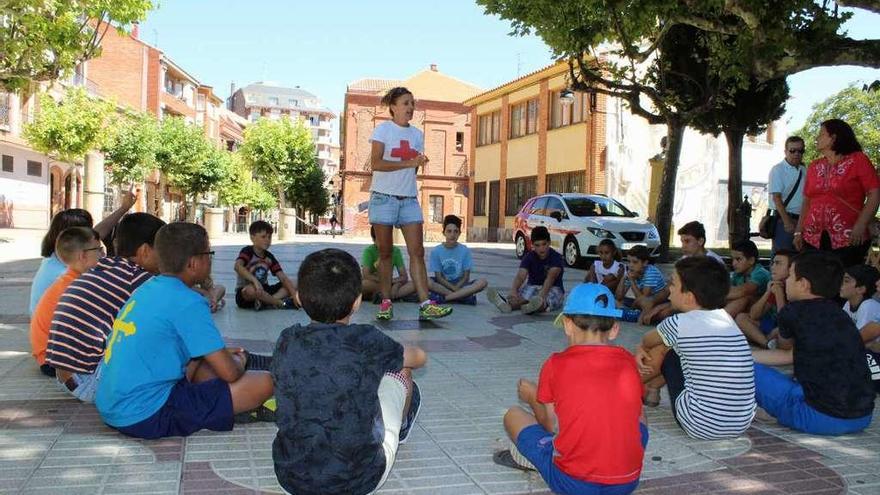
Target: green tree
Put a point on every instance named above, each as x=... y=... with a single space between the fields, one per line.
x=310 y=195
x=280 y=153
x=41 y=40
x=130 y=149
x=860 y=109
x=68 y=129
x=181 y=155
x=240 y=189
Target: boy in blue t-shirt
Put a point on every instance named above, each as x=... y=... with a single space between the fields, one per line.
x=646 y=282
x=346 y=398
x=166 y=371
x=537 y=285
x=451 y=263
x=749 y=279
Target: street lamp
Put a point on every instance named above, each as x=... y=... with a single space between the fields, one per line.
x=566 y=97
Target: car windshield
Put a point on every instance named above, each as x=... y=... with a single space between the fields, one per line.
x=596 y=207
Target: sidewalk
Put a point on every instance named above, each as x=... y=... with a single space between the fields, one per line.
x=52 y=444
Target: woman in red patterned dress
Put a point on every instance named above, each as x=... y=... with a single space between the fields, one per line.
x=841 y=196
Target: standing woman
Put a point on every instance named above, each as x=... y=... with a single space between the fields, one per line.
x=397 y=153
x=840 y=197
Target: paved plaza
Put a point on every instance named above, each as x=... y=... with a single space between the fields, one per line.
x=50 y=443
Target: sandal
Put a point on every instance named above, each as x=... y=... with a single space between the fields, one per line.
x=505 y=458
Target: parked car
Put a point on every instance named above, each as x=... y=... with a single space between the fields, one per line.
x=578 y=222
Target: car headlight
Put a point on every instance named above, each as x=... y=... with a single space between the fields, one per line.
x=601 y=233
x=653 y=234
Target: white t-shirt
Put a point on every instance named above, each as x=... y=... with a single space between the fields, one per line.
x=401 y=143
x=867 y=312
x=718 y=400
x=601 y=271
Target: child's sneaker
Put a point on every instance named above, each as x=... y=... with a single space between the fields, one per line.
x=265 y=413
x=288 y=303
x=498 y=300
x=532 y=306
x=470 y=300
x=772 y=344
x=431 y=310
x=415 y=405
x=386 y=310
x=513 y=459
x=631 y=315
x=257 y=362
x=436 y=297
x=377 y=298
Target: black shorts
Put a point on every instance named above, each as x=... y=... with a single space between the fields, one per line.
x=245 y=304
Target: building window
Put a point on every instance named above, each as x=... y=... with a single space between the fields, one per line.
x=524 y=118
x=489 y=128
x=292 y=102
x=273 y=101
x=34 y=169
x=563 y=115
x=566 y=182
x=518 y=192
x=480 y=199
x=200 y=103
x=459 y=141
x=7 y=164
x=435 y=208
x=109 y=198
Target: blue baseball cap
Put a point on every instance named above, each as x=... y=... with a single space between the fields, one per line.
x=590 y=299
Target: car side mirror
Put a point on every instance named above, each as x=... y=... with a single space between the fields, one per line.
x=557 y=215
x=633 y=214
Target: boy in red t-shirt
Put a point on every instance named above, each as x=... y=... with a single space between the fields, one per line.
x=591 y=395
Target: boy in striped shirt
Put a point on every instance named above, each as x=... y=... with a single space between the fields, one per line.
x=647 y=284
x=709 y=370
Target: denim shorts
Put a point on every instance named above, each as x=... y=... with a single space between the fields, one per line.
x=394 y=210
x=536 y=444
x=83 y=386
x=555 y=296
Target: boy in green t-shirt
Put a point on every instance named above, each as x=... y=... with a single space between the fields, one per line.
x=401 y=286
x=749 y=279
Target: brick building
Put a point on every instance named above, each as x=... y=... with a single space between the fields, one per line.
x=446 y=122
x=528 y=141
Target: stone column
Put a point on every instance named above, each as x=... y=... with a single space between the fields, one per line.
x=286 y=224
x=93 y=185
x=214 y=221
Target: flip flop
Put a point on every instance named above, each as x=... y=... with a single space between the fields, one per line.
x=505 y=458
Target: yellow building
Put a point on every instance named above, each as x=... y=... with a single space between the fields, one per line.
x=526 y=140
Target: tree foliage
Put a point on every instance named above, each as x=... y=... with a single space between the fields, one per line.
x=40 y=40
x=860 y=109
x=70 y=128
x=309 y=193
x=182 y=150
x=281 y=153
x=130 y=148
x=240 y=189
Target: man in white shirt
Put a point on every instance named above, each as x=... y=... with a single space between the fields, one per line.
x=783 y=178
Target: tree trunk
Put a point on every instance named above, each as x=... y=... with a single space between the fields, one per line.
x=160 y=191
x=191 y=213
x=666 y=199
x=737 y=223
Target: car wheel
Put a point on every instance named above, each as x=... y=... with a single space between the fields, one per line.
x=571 y=252
x=520 y=245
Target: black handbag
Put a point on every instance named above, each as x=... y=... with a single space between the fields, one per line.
x=767 y=227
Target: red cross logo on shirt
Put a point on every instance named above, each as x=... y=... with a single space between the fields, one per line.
x=404 y=152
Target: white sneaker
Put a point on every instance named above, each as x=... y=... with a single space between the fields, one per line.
x=498 y=300
x=772 y=344
x=532 y=306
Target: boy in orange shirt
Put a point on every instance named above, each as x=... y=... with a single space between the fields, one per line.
x=80 y=249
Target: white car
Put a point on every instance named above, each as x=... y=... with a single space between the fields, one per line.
x=578 y=222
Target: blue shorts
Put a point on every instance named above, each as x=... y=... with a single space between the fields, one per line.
x=767 y=324
x=394 y=210
x=536 y=444
x=190 y=407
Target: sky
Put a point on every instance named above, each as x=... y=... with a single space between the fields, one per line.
x=322 y=46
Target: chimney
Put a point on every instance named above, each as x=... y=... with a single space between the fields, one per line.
x=433 y=67
x=135 y=30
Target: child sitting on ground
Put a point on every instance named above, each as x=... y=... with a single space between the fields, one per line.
x=857 y=289
x=759 y=324
x=214 y=293
x=608 y=269
x=451 y=263
x=253 y=266
x=589 y=395
x=749 y=279
x=708 y=370
x=831 y=391
x=537 y=285
x=871 y=338
x=692 y=236
x=345 y=394
x=166 y=371
x=79 y=248
x=643 y=286
x=401 y=286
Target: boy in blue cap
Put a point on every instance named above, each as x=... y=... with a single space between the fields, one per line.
x=590 y=394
